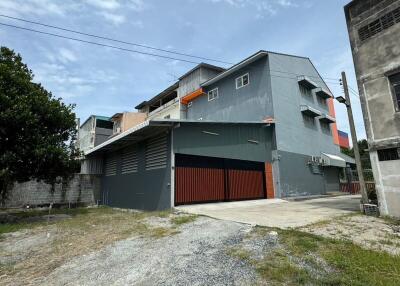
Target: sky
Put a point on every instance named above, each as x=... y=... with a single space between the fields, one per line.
x=104 y=81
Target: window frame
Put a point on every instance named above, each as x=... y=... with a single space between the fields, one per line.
x=392 y=84
x=241 y=78
x=212 y=91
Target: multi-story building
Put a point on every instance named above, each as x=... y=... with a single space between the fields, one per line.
x=122 y=121
x=374 y=30
x=263 y=128
x=94 y=131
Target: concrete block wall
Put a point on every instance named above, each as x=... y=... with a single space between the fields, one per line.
x=80 y=189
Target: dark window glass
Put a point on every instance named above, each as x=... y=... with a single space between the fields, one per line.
x=389 y=154
x=104 y=124
x=395 y=82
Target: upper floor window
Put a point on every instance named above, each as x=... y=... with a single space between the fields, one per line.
x=213 y=94
x=395 y=83
x=242 y=81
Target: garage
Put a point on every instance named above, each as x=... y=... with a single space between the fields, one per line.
x=201 y=179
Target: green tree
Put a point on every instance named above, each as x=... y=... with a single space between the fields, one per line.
x=364 y=153
x=37 y=131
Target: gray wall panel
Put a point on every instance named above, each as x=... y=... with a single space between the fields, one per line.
x=250 y=103
x=231 y=141
x=297 y=178
x=146 y=189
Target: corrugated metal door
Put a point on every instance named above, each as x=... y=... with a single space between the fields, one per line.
x=201 y=179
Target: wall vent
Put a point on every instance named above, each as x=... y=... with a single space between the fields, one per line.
x=156 y=153
x=111 y=166
x=379 y=25
x=129 y=161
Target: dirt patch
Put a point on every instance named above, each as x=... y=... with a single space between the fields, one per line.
x=366 y=231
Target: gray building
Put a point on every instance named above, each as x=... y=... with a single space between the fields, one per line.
x=94 y=131
x=374 y=30
x=263 y=128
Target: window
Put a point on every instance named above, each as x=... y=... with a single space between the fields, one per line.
x=389 y=154
x=117 y=126
x=242 y=81
x=129 y=161
x=104 y=124
x=213 y=94
x=395 y=83
x=111 y=166
x=379 y=25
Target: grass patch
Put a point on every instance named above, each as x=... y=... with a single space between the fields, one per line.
x=305 y=259
x=179 y=220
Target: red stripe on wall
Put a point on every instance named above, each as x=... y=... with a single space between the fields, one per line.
x=269 y=181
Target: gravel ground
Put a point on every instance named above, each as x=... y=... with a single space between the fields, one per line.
x=366 y=231
x=195 y=256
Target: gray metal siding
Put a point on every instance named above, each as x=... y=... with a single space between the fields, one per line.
x=224 y=141
x=250 y=103
x=297 y=178
x=295 y=132
x=143 y=189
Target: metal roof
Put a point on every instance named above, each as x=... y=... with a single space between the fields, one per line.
x=203 y=65
x=158 y=96
x=150 y=128
x=101 y=117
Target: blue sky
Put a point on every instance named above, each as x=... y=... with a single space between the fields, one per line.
x=105 y=81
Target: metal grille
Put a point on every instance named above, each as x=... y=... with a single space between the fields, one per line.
x=379 y=25
x=111 y=166
x=156 y=153
x=389 y=154
x=129 y=161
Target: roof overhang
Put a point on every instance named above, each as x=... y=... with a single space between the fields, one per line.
x=192 y=96
x=323 y=93
x=159 y=96
x=333 y=160
x=135 y=134
x=327 y=119
x=236 y=67
x=309 y=111
x=306 y=82
x=150 y=128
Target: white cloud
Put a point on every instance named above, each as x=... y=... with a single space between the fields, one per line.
x=105 y=4
x=67 y=56
x=263 y=7
x=35 y=7
x=115 y=19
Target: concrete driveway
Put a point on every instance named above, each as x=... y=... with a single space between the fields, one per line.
x=277 y=212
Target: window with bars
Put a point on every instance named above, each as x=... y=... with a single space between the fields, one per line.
x=111 y=166
x=395 y=84
x=389 y=154
x=129 y=161
x=156 y=153
x=377 y=26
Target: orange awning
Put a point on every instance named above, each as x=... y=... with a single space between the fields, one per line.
x=191 y=96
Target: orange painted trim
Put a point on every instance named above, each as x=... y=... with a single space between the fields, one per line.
x=332 y=113
x=269 y=181
x=191 y=96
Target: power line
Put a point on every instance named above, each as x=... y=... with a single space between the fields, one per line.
x=113 y=40
x=99 y=44
x=327 y=80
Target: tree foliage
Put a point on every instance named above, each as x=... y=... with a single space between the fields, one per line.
x=37 y=131
x=364 y=153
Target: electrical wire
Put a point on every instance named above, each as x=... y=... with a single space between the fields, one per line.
x=113 y=40
x=99 y=44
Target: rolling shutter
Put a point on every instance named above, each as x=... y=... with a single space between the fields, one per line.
x=156 y=153
x=111 y=166
x=129 y=161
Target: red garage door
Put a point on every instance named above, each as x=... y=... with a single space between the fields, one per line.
x=201 y=179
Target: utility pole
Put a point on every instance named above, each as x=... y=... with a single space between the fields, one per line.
x=363 y=189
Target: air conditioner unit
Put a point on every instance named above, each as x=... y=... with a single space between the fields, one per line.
x=321 y=161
